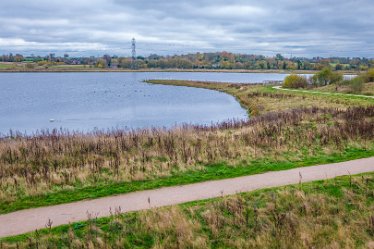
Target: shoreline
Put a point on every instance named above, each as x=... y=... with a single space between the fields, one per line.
x=95 y=70
x=262 y=102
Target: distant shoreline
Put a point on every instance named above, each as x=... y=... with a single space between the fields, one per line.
x=96 y=70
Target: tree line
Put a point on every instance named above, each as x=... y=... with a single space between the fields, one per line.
x=217 y=60
x=327 y=77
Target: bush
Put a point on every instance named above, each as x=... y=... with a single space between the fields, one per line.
x=42 y=63
x=30 y=65
x=369 y=76
x=295 y=81
x=356 y=84
x=326 y=76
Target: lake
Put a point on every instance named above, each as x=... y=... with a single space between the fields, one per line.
x=30 y=102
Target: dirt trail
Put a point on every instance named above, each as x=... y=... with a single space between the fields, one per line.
x=28 y=220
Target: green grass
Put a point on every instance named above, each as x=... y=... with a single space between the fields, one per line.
x=210 y=172
x=367 y=90
x=5 y=66
x=69 y=66
x=331 y=95
x=329 y=212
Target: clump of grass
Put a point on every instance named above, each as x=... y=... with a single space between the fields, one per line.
x=335 y=213
x=270 y=95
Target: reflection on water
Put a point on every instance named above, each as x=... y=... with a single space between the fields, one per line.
x=84 y=101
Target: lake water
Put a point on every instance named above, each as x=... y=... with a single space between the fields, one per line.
x=85 y=101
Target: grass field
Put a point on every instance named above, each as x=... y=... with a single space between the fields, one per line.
x=69 y=66
x=26 y=67
x=335 y=213
x=287 y=130
x=6 y=65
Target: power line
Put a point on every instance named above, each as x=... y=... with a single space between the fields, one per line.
x=133 y=53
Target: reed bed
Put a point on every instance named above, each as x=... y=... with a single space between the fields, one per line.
x=53 y=160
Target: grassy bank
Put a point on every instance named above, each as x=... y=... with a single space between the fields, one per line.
x=58 y=167
x=258 y=99
x=209 y=172
x=367 y=89
x=335 y=213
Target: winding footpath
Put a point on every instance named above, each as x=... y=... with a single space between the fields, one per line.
x=28 y=220
x=325 y=93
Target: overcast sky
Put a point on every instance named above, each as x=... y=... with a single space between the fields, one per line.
x=94 y=27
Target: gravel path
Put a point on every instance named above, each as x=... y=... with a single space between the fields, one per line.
x=28 y=220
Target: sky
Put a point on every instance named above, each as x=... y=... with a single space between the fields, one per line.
x=96 y=27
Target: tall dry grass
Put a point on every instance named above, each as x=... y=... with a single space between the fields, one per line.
x=51 y=160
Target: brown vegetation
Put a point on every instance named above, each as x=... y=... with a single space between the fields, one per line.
x=31 y=165
x=364 y=88
x=259 y=99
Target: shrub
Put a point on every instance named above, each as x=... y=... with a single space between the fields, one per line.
x=42 y=63
x=369 y=76
x=30 y=65
x=356 y=84
x=295 y=81
x=325 y=77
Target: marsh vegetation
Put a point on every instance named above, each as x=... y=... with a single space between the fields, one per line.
x=56 y=166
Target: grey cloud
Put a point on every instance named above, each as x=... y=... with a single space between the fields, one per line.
x=305 y=28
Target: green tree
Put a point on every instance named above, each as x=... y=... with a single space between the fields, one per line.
x=326 y=76
x=279 y=57
x=101 y=63
x=339 y=67
x=369 y=75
